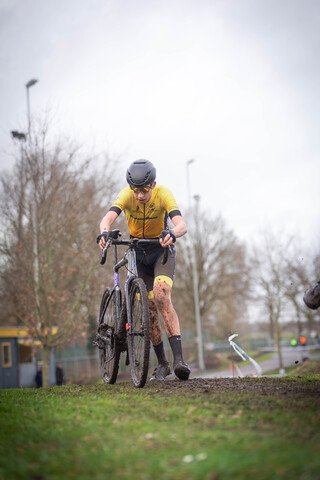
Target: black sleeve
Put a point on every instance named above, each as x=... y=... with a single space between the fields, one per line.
x=115 y=209
x=174 y=213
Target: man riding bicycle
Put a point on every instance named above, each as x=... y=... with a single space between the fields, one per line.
x=147 y=207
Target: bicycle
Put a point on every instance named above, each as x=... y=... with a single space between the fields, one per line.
x=124 y=326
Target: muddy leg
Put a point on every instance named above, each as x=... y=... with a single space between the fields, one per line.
x=163 y=368
x=162 y=297
x=155 y=328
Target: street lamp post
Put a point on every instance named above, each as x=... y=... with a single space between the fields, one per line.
x=29 y=84
x=195 y=282
x=20 y=137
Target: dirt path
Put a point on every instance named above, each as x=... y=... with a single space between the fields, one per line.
x=262 y=385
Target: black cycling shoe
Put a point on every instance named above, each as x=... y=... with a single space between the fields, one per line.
x=182 y=370
x=161 y=371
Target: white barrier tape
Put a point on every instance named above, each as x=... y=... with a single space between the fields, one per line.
x=243 y=354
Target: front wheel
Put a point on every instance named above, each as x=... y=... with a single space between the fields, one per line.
x=138 y=332
x=109 y=352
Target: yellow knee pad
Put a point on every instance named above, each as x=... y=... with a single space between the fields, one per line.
x=164 y=279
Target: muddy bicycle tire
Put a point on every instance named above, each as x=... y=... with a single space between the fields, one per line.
x=138 y=335
x=109 y=354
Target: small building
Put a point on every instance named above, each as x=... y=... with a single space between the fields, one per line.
x=19 y=361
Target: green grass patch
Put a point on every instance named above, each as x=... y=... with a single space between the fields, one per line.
x=310 y=367
x=249 y=428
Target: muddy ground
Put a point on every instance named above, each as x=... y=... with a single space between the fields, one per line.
x=262 y=385
x=305 y=382
x=299 y=383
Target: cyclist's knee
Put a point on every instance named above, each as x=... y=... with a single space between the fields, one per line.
x=164 y=282
x=162 y=296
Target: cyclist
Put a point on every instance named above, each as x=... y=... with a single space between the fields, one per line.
x=147 y=207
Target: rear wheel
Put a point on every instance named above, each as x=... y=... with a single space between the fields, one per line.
x=138 y=332
x=109 y=351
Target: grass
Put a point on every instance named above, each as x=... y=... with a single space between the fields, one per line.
x=226 y=429
x=307 y=368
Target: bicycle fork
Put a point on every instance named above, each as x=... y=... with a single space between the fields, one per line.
x=130 y=259
x=116 y=268
x=132 y=273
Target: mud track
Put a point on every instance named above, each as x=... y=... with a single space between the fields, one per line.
x=242 y=384
x=261 y=386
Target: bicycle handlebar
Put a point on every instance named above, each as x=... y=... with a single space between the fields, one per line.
x=131 y=242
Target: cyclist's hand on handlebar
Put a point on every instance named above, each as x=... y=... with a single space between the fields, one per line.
x=101 y=239
x=167 y=238
x=105 y=238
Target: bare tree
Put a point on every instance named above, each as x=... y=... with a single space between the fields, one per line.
x=303 y=271
x=223 y=273
x=51 y=205
x=270 y=263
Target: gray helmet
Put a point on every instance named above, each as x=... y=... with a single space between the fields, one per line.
x=312 y=297
x=141 y=173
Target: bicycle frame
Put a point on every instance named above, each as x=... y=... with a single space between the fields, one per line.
x=130 y=259
x=116 y=290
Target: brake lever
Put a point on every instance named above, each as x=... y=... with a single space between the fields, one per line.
x=167 y=249
x=103 y=256
x=104 y=253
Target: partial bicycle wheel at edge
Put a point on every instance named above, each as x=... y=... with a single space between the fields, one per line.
x=109 y=355
x=138 y=335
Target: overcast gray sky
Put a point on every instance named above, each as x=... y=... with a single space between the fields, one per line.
x=233 y=84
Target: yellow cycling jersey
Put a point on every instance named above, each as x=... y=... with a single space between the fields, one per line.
x=149 y=219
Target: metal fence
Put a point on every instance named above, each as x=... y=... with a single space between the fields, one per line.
x=81 y=366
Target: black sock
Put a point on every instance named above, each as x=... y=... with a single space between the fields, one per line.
x=175 y=344
x=159 y=350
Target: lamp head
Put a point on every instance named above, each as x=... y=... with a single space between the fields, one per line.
x=31 y=82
